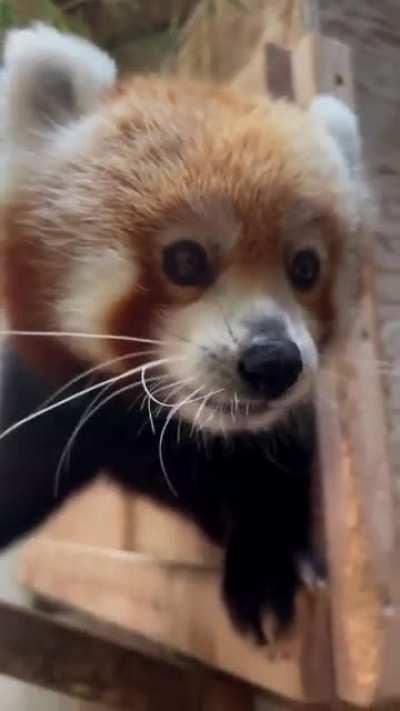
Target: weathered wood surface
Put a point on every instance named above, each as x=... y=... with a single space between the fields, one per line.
x=84 y=664
x=372 y=29
x=179 y=606
x=366 y=26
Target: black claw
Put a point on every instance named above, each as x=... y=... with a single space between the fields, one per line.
x=312 y=570
x=251 y=595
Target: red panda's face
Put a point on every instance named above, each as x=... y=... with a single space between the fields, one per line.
x=220 y=232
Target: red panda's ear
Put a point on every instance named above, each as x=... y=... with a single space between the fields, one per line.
x=48 y=79
x=342 y=125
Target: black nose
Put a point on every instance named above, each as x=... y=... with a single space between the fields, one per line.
x=271 y=367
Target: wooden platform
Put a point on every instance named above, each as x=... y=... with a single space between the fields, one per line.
x=177 y=605
x=160 y=580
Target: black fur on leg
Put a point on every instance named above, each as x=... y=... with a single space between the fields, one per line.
x=250 y=495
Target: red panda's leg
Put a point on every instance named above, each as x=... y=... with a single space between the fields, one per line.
x=29 y=455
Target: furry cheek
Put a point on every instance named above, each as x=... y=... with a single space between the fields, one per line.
x=204 y=341
x=93 y=286
x=190 y=334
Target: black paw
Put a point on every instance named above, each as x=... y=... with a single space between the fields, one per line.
x=261 y=599
x=312 y=571
x=260 y=595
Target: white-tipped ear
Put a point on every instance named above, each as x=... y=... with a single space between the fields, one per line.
x=342 y=125
x=49 y=79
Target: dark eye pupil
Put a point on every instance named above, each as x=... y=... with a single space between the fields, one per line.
x=305 y=269
x=186 y=263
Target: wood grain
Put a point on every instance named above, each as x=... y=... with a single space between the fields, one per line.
x=372 y=30
x=179 y=606
x=166 y=535
x=58 y=656
x=98 y=516
x=357 y=478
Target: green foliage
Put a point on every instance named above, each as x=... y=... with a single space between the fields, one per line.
x=239 y=4
x=21 y=12
x=212 y=5
x=147 y=49
x=7 y=15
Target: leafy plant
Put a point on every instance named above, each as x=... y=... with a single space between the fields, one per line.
x=212 y=5
x=128 y=29
x=7 y=15
x=22 y=12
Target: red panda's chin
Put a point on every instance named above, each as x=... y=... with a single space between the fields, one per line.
x=215 y=415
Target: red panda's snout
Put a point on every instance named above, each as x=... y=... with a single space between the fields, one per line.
x=240 y=358
x=212 y=238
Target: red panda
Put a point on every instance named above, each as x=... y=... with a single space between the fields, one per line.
x=196 y=245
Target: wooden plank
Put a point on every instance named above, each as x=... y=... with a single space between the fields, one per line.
x=218 y=695
x=357 y=481
x=82 y=519
x=308 y=674
x=166 y=535
x=257 y=70
x=279 y=81
x=320 y=65
x=37 y=649
x=178 y=606
x=372 y=30
x=223 y=696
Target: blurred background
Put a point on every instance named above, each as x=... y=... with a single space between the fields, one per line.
x=215 y=39
x=185 y=37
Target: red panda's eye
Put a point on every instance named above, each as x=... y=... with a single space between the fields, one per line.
x=186 y=263
x=304 y=269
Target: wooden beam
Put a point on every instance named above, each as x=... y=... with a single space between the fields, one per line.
x=357 y=481
x=358 y=493
x=321 y=65
x=81 y=519
x=372 y=30
x=179 y=606
x=39 y=650
x=81 y=663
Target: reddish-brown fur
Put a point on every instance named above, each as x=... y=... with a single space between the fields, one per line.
x=169 y=148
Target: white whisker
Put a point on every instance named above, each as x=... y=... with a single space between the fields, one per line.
x=210 y=417
x=151 y=420
x=215 y=410
x=89 y=412
x=85 y=416
x=190 y=399
x=150 y=394
x=171 y=414
x=101 y=366
x=179 y=383
x=143 y=397
x=202 y=406
x=75 y=432
x=79 y=334
x=151 y=397
x=73 y=397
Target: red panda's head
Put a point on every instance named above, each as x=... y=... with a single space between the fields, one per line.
x=224 y=228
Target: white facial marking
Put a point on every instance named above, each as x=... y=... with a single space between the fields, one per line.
x=210 y=335
x=94 y=285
